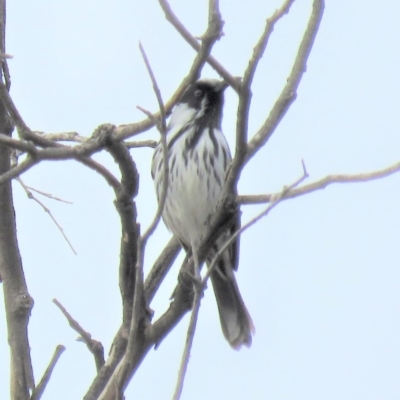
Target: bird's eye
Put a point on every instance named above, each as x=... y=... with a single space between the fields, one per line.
x=198 y=93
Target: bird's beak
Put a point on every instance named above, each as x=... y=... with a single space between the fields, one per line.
x=222 y=86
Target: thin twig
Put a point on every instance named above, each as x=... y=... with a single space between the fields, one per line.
x=32 y=197
x=245 y=88
x=60 y=152
x=208 y=39
x=18 y=303
x=177 y=24
x=41 y=387
x=156 y=89
x=288 y=94
x=94 y=346
x=49 y=195
x=198 y=293
x=22 y=145
x=163 y=140
x=160 y=268
x=322 y=184
x=101 y=170
x=151 y=116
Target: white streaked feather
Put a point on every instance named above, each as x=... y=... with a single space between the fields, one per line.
x=197 y=165
x=193 y=194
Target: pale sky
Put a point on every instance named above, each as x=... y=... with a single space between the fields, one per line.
x=320 y=275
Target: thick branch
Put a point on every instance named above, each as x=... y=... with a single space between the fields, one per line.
x=161 y=268
x=126 y=208
x=12 y=173
x=35 y=155
x=18 y=302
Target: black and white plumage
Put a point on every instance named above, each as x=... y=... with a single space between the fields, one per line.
x=198 y=156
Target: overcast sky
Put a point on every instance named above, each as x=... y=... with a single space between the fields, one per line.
x=320 y=275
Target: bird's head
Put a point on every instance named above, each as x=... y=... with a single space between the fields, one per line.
x=206 y=96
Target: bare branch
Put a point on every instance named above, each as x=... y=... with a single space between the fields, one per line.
x=37 y=393
x=63 y=136
x=149 y=114
x=288 y=94
x=23 y=129
x=245 y=88
x=49 y=195
x=101 y=170
x=125 y=131
x=163 y=134
x=181 y=304
x=94 y=346
x=322 y=184
x=174 y=20
x=156 y=89
x=18 y=302
x=18 y=170
x=61 y=152
x=143 y=143
x=47 y=210
x=198 y=294
x=161 y=268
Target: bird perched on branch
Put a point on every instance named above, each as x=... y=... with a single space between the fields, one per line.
x=198 y=157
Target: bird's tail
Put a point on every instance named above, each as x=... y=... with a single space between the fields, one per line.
x=236 y=322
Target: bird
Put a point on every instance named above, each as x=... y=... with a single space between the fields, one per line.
x=198 y=159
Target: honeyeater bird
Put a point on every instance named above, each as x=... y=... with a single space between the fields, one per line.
x=198 y=158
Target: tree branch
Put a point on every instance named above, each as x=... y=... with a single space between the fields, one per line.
x=245 y=87
x=143 y=143
x=41 y=387
x=161 y=268
x=94 y=346
x=18 y=302
x=288 y=94
x=163 y=133
x=322 y=184
x=177 y=24
x=7 y=175
x=47 y=210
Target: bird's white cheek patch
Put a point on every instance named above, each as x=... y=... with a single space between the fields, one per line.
x=181 y=116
